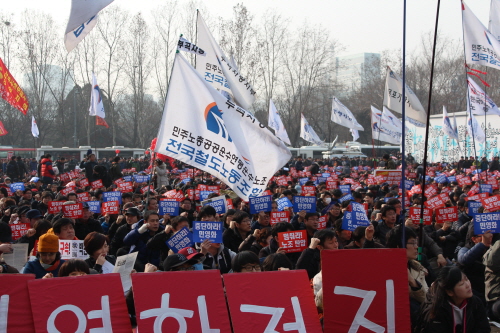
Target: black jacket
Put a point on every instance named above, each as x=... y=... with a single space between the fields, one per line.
x=310 y=261
x=82 y=229
x=232 y=239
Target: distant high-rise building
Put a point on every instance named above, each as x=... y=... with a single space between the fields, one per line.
x=353 y=71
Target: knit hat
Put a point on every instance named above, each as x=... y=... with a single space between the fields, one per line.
x=48 y=243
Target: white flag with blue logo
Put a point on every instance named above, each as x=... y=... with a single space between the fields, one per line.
x=447 y=126
x=494 y=24
x=307 y=132
x=355 y=134
x=82 y=19
x=481 y=47
x=274 y=122
x=475 y=130
x=479 y=103
x=96 y=105
x=343 y=116
x=217 y=136
x=386 y=127
x=34 y=127
x=184 y=45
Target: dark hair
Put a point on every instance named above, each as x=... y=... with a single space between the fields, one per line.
x=27 y=190
x=337 y=193
x=358 y=234
x=287 y=192
x=57 y=226
x=393 y=202
x=308 y=215
x=94 y=241
x=41 y=227
x=324 y=235
x=387 y=208
x=448 y=278
x=226 y=214
x=394 y=237
x=370 y=194
x=116 y=159
x=275 y=261
x=178 y=220
x=73 y=265
x=281 y=227
x=148 y=213
x=239 y=216
x=127 y=195
x=243 y=258
x=337 y=225
x=207 y=211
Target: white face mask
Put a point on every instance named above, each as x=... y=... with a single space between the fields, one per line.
x=328 y=200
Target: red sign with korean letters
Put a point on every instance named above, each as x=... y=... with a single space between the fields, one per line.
x=147 y=188
x=464 y=181
x=417 y=189
x=64 y=177
x=322 y=222
x=97 y=184
x=412 y=175
x=415 y=215
x=110 y=207
x=281 y=181
x=18 y=230
x=229 y=203
x=126 y=187
x=15 y=308
x=447 y=214
x=477 y=197
x=437 y=201
x=83 y=197
x=293 y=241
x=174 y=194
x=67 y=190
x=379 y=303
x=431 y=191
x=308 y=190
x=492 y=204
x=73 y=211
x=84 y=182
x=187 y=306
x=331 y=184
x=96 y=304
x=276 y=217
x=55 y=206
x=291 y=309
x=493 y=183
x=119 y=180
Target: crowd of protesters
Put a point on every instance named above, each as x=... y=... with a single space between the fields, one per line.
x=454 y=287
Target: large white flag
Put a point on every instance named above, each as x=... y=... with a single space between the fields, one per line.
x=494 y=25
x=386 y=127
x=475 y=130
x=185 y=45
x=217 y=136
x=34 y=127
x=355 y=134
x=215 y=61
x=481 y=47
x=274 y=122
x=393 y=99
x=82 y=19
x=448 y=128
x=343 y=116
x=480 y=103
x=307 y=132
x=96 y=105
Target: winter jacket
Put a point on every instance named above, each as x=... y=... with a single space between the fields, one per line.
x=471 y=261
x=491 y=260
x=89 y=169
x=417 y=271
x=115 y=171
x=34 y=267
x=139 y=241
x=46 y=169
x=94 y=265
x=159 y=243
x=221 y=261
x=118 y=237
x=232 y=239
x=162 y=176
x=12 y=170
x=310 y=261
x=82 y=229
x=273 y=247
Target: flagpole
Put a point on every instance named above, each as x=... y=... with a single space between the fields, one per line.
x=403 y=133
x=421 y=229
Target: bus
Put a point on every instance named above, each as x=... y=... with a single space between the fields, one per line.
x=350 y=149
x=80 y=152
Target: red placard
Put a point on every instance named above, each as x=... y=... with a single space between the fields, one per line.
x=447 y=214
x=431 y=191
x=147 y=188
x=437 y=201
x=445 y=190
x=464 y=181
x=97 y=184
x=281 y=181
x=492 y=204
x=474 y=189
x=292 y=307
x=331 y=184
x=378 y=302
x=190 y=193
x=64 y=177
x=98 y=296
x=354 y=175
x=19 y=229
x=67 y=190
x=322 y=222
x=55 y=206
x=73 y=211
x=15 y=303
x=119 y=181
x=84 y=182
x=110 y=207
x=213 y=188
x=415 y=215
x=126 y=187
x=229 y=203
x=174 y=194
x=83 y=197
x=412 y=175
x=199 y=307
x=477 y=197
x=308 y=190
x=417 y=189
x=276 y=217
x=293 y=241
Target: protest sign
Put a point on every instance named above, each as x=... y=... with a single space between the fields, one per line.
x=207 y=230
x=322 y=222
x=346 y=197
x=124 y=265
x=437 y=201
x=391 y=177
x=331 y=184
x=291 y=309
x=346 y=189
x=168 y=206
x=486 y=188
x=112 y=196
x=304 y=203
x=260 y=204
x=204 y=195
x=181 y=239
x=379 y=303
x=19 y=230
x=73 y=211
x=126 y=187
x=72 y=249
x=293 y=241
x=276 y=217
x=149 y=188
x=97 y=296
x=17 y=186
x=219 y=203
x=84 y=182
x=486 y=222
x=452 y=179
x=355 y=218
x=477 y=197
x=446 y=214
x=141 y=178
x=110 y=207
x=284 y=203
x=309 y=190
x=127 y=178
x=83 y=197
x=473 y=207
x=15 y=306
x=55 y=206
x=492 y=203
x=96 y=184
x=431 y=191
x=67 y=190
x=441 y=179
x=94 y=206
x=415 y=215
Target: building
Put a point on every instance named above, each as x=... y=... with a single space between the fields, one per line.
x=354 y=71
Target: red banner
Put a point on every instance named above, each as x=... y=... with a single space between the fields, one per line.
x=446 y=214
x=492 y=204
x=201 y=307
x=83 y=197
x=437 y=201
x=293 y=241
x=379 y=303
x=431 y=191
x=11 y=91
x=415 y=215
x=464 y=181
x=126 y=187
x=67 y=190
x=64 y=177
x=292 y=309
x=97 y=297
x=101 y=122
x=110 y=207
x=84 y=182
x=55 y=206
x=331 y=184
x=3 y=131
x=97 y=184
x=73 y=211
x=18 y=230
x=276 y=217
x=477 y=197
x=15 y=309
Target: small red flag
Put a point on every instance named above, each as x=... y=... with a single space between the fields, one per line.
x=11 y=91
x=101 y=122
x=3 y=131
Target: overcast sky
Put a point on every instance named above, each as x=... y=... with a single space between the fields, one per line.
x=359 y=25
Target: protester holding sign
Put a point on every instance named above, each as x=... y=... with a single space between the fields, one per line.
x=274 y=246
x=159 y=241
x=48 y=258
x=132 y=216
x=97 y=247
x=261 y=220
x=310 y=258
x=239 y=231
x=387 y=224
x=86 y=224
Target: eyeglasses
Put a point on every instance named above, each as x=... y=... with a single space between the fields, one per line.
x=191 y=268
x=413 y=243
x=252 y=268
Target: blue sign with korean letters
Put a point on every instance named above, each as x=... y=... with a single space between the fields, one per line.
x=207 y=230
x=346 y=197
x=355 y=218
x=94 y=206
x=486 y=188
x=487 y=222
x=169 y=206
x=219 y=203
x=304 y=203
x=260 y=204
x=283 y=203
x=141 y=178
x=112 y=196
x=181 y=239
x=346 y=189
x=16 y=186
x=473 y=207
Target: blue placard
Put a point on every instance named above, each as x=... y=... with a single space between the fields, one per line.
x=181 y=239
x=325 y=174
x=16 y=186
x=427 y=178
x=169 y=206
x=260 y=204
x=486 y=188
x=112 y=196
x=303 y=181
x=346 y=197
x=355 y=218
x=473 y=207
x=283 y=203
x=204 y=195
x=94 y=206
x=219 y=203
x=452 y=179
x=486 y=222
x=207 y=230
x=320 y=180
x=408 y=184
x=304 y=203
x=127 y=178
x=441 y=179
x=141 y=178
x=185 y=180
x=346 y=189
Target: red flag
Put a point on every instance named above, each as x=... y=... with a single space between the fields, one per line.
x=101 y=122
x=3 y=131
x=10 y=90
